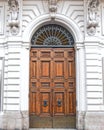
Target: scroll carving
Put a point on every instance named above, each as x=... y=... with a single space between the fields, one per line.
x=13 y=20
x=92 y=21
x=53 y=7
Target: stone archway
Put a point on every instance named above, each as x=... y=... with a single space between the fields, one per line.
x=78 y=37
x=60 y=19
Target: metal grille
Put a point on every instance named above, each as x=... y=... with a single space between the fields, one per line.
x=52 y=35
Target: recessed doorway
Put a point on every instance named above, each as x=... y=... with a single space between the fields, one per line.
x=52 y=102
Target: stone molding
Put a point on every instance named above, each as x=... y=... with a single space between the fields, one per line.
x=45 y=19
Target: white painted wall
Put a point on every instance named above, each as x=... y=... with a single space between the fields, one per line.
x=24 y=100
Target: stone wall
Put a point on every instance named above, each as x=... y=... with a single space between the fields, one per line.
x=94 y=121
x=14 y=120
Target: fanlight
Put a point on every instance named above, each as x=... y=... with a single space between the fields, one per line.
x=52 y=35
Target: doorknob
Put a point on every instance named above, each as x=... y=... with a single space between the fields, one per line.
x=45 y=103
x=59 y=103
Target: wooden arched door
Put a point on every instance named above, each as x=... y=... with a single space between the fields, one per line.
x=52 y=102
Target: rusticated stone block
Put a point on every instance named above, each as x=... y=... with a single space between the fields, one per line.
x=3 y=122
x=11 y=124
x=14 y=121
x=18 y=123
x=94 y=121
x=25 y=120
x=80 y=120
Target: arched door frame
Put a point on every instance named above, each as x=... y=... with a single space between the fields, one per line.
x=60 y=19
x=80 y=57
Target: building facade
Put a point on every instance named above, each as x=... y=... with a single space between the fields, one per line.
x=21 y=22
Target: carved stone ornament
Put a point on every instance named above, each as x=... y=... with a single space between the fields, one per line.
x=92 y=21
x=13 y=20
x=52 y=7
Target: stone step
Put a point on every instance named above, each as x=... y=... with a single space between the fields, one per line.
x=50 y=129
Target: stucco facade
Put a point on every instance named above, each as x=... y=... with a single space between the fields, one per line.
x=85 y=22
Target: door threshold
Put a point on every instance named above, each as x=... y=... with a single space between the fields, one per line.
x=51 y=129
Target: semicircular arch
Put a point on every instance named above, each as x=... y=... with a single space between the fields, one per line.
x=60 y=19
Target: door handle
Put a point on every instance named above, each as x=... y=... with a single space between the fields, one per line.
x=59 y=103
x=45 y=103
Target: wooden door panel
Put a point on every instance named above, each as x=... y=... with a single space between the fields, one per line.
x=71 y=84
x=45 y=84
x=59 y=84
x=44 y=53
x=71 y=54
x=71 y=71
x=45 y=69
x=71 y=102
x=59 y=103
x=33 y=68
x=58 y=53
x=33 y=53
x=59 y=69
x=33 y=84
x=33 y=103
x=45 y=104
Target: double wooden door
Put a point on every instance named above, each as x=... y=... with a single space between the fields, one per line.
x=52 y=101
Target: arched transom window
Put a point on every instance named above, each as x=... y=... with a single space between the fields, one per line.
x=52 y=35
